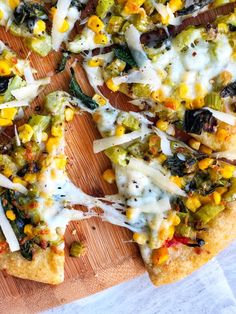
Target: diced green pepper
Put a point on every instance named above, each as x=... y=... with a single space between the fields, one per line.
x=208 y=212
x=185 y=231
x=129 y=121
x=141 y=90
x=213 y=101
x=114 y=24
x=40 y=45
x=103 y=7
x=77 y=249
x=118 y=155
x=231 y=194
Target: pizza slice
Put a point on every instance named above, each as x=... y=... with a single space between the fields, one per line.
x=180 y=203
x=108 y=20
x=188 y=82
x=18 y=88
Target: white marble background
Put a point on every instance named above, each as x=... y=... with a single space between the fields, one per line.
x=210 y=290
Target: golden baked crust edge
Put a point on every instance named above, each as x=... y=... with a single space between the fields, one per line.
x=46 y=267
x=185 y=260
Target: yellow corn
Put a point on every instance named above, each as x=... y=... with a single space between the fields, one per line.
x=30 y=177
x=13 y=3
x=205 y=163
x=221 y=190
x=120 y=130
x=19 y=180
x=5 y=122
x=194 y=143
x=227 y=171
x=10 y=215
x=99 y=100
x=8 y=113
x=160 y=256
x=162 y=125
x=5 y=68
x=140 y=238
x=39 y=27
x=158 y=95
x=28 y=230
x=177 y=180
x=95 y=24
x=1 y=14
x=222 y=134
x=216 y=197
x=222 y=27
x=161 y=158
x=197 y=103
x=95 y=62
x=205 y=199
x=175 y=5
x=131 y=213
x=193 y=203
x=100 y=39
x=25 y=133
x=183 y=90
x=199 y=89
x=52 y=144
x=61 y=162
x=205 y=150
x=165 y=19
x=109 y=176
x=226 y=77
x=110 y=84
x=57 y=130
x=64 y=27
x=7 y=172
x=44 y=137
x=173 y=219
x=133 y=6
x=53 y=11
x=69 y=114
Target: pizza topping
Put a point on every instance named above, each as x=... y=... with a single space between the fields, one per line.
x=198 y=120
x=77 y=249
x=229 y=90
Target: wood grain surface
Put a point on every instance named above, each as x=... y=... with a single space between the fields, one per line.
x=111 y=257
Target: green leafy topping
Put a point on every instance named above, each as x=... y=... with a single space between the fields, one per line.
x=123 y=53
x=64 y=59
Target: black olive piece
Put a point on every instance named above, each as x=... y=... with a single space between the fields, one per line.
x=4 y=81
x=232 y=28
x=32 y=168
x=31 y=23
x=198 y=120
x=229 y=90
x=199 y=243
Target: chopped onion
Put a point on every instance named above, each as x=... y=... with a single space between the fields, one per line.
x=165 y=143
x=104 y=143
x=230 y=155
x=222 y=116
x=8 y=231
x=15 y=103
x=8 y=184
x=18 y=143
x=156 y=176
x=28 y=75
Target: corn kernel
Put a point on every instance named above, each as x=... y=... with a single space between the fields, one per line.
x=197 y=103
x=25 y=133
x=19 y=180
x=95 y=24
x=99 y=100
x=61 y=162
x=52 y=144
x=171 y=103
x=226 y=77
x=5 y=68
x=8 y=113
x=140 y=238
x=1 y=14
x=222 y=27
x=205 y=199
x=216 y=197
x=5 y=122
x=227 y=171
x=7 y=171
x=30 y=177
x=205 y=163
x=39 y=27
x=177 y=180
x=194 y=143
x=193 y=203
x=133 y=6
x=183 y=91
x=110 y=84
x=109 y=176
x=120 y=130
x=222 y=134
x=13 y=3
x=158 y=95
x=160 y=256
x=131 y=213
x=64 y=27
x=95 y=62
x=162 y=125
x=205 y=150
x=161 y=158
x=69 y=114
x=221 y=190
x=199 y=89
x=53 y=11
x=28 y=230
x=165 y=20
x=44 y=137
x=100 y=39
x=10 y=215
x=57 y=130
x=175 y=5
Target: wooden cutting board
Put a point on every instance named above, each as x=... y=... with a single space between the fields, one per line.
x=111 y=257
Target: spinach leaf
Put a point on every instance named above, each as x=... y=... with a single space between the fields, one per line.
x=198 y=120
x=4 y=81
x=64 y=59
x=77 y=92
x=29 y=12
x=123 y=53
x=179 y=167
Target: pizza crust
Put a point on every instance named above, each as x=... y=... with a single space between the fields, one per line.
x=185 y=260
x=47 y=266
